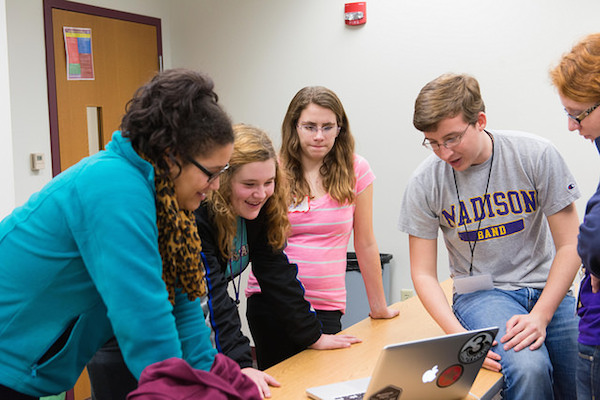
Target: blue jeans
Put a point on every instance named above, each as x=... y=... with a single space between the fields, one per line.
x=546 y=373
x=588 y=372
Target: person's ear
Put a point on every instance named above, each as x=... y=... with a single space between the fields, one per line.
x=174 y=163
x=481 y=121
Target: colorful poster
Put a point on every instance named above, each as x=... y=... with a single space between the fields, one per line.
x=78 y=44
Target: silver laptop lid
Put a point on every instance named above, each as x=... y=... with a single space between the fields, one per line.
x=442 y=367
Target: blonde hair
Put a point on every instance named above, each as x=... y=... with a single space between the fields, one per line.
x=577 y=75
x=251 y=144
x=338 y=165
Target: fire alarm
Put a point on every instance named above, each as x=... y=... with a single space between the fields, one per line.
x=355 y=13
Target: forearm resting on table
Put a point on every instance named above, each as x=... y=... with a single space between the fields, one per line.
x=370 y=267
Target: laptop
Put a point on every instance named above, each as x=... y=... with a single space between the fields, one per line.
x=442 y=367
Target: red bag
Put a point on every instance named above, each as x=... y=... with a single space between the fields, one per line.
x=175 y=379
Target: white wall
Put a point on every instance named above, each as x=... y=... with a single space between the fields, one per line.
x=261 y=52
x=28 y=86
x=7 y=199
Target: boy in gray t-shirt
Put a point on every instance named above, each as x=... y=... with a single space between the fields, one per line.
x=504 y=203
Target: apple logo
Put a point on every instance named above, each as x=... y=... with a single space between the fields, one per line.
x=430 y=374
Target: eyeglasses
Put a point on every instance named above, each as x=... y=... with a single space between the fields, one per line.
x=584 y=114
x=448 y=143
x=310 y=129
x=211 y=175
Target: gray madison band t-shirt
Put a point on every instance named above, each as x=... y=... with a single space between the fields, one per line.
x=529 y=180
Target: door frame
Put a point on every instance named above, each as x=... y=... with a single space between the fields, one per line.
x=50 y=69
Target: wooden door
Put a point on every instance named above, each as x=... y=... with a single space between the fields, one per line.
x=126 y=52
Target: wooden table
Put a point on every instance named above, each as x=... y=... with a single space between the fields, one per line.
x=319 y=367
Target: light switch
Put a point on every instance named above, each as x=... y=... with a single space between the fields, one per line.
x=37 y=161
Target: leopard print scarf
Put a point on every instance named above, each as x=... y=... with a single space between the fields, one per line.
x=178 y=242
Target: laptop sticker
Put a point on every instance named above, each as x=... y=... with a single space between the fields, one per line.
x=476 y=347
x=450 y=375
x=390 y=392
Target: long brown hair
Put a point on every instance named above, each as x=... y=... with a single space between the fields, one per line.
x=337 y=169
x=251 y=144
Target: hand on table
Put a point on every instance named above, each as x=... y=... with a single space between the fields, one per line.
x=328 y=342
x=385 y=313
x=262 y=380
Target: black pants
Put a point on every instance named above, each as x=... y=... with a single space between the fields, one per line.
x=272 y=343
x=110 y=378
x=9 y=394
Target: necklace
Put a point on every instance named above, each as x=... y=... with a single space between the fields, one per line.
x=485 y=196
x=239 y=253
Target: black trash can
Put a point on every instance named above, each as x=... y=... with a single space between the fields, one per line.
x=357 y=305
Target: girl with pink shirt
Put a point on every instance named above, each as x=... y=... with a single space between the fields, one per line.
x=332 y=190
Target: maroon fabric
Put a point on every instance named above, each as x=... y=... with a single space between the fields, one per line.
x=175 y=379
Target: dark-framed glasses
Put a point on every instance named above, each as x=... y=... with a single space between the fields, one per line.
x=581 y=117
x=448 y=143
x=211 y=175
x=311 y=129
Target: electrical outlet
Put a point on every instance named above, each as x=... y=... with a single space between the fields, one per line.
x=406 y=294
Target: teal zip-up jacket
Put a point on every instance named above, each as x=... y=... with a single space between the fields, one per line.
x=80 y=259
